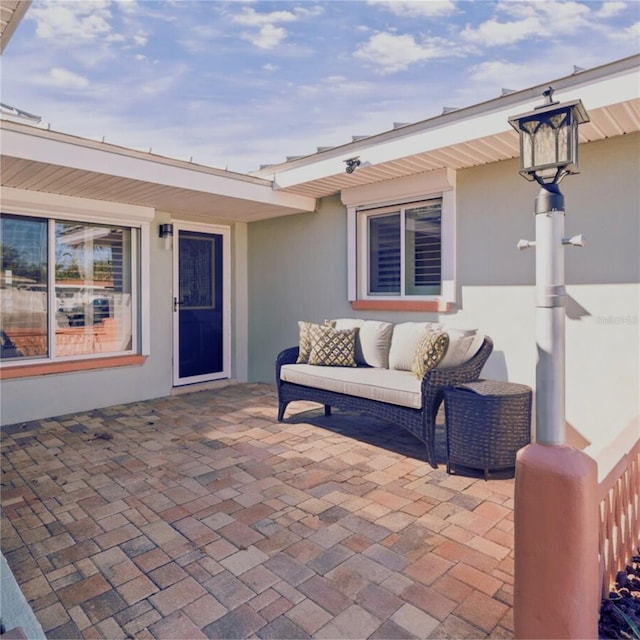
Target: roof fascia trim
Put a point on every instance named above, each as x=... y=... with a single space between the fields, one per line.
x=25 y=201
x=596 y=88
x=31 y=143
x=12 y=25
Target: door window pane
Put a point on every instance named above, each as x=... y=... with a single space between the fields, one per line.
x=23 y=284
x=197 y=270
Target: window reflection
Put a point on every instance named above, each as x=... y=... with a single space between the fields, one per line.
x=23 y=288
x=91 y=267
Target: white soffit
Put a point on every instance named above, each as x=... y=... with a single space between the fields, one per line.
x=467 y=137
x=11 y=13
x=42 y=160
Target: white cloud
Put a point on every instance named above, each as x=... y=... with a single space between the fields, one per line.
x=267 y=37
x=423 y=8
x=267 y=34
x=497 y=73
x=140 y=38
x=630 y=34
x=65 y=79
x=309 y=12
x=128 y=6
x=563 y=17
x=249 y=17
x=495 y=34
x=64 y=21
x=65 y=24
x=336 y=85
x=610 y=9
x=539 y=20
x=391 y=53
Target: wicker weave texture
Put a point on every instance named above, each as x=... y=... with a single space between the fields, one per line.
x=487 y=426
x=419 y=422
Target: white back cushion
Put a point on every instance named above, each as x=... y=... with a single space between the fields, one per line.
x=404 y=343
x=372 y=341
x=463 y=345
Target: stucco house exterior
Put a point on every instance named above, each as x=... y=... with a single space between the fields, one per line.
x=98 y=309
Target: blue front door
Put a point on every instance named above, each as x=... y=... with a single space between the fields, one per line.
x=199 y=305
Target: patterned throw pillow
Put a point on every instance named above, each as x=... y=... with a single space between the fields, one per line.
x=306 y=330
x=333 y=347
x=431 y=349
x=404 y=343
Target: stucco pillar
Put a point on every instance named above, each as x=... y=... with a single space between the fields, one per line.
x=556 y=592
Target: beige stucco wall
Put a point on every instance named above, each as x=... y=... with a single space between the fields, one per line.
x=298 y=271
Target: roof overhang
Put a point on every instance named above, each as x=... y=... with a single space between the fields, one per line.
x=41 y=160
x=467 y=137
x=11 y=13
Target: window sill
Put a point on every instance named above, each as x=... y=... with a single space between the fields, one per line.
x=440 y=306
x=47 y=368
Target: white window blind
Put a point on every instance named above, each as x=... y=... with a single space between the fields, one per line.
x=405 y=250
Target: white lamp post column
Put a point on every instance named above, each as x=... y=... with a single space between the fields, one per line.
x=550 y=317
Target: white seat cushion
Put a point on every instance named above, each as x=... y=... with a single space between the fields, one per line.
x=386 y=385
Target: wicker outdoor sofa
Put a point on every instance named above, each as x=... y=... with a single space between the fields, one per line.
x=383 y=392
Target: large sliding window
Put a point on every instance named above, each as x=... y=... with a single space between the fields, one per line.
x=67 y=289
x=403 y=249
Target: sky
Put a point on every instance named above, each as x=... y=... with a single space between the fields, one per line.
x=237 y=85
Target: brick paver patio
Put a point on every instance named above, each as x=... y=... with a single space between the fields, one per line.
x=201 y=516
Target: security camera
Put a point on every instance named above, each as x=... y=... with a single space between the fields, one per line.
x=352 y=164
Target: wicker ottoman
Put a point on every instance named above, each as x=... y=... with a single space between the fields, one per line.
x=486 y=423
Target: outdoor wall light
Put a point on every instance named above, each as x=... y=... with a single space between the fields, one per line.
x=549 y=139
x=166 y=232
x=352 y=164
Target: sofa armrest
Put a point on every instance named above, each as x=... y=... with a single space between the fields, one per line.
x=435 y=381
x=287 y=356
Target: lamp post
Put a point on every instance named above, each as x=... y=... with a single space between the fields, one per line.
x=548 y=152
x=556 y=488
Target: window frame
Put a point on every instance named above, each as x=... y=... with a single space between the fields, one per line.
x=57 y=208
x=365 y=262
x=367 y=200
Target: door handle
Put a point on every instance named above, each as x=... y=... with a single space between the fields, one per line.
x=177 y=302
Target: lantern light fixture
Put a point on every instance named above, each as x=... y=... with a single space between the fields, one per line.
x=165 y=231
x=549 y=139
